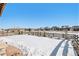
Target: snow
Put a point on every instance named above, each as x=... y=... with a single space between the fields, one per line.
x=40 y=46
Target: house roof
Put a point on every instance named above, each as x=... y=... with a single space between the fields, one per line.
x=2 y=5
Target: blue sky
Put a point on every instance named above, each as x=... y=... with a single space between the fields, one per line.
x=39 y=15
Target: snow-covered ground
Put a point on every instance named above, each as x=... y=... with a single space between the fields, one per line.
x=40 y=46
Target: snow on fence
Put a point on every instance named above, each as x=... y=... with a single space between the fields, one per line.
x=50 y=34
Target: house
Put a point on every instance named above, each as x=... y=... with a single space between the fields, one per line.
x=2 y=6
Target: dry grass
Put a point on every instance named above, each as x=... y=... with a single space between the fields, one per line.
x=9 y=50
